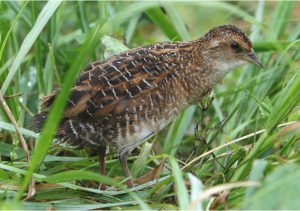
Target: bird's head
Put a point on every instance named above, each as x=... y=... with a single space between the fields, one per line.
x=227 y=47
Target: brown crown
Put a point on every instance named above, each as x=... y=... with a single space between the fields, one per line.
x=227 y=30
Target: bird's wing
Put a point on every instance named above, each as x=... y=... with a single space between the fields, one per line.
x=107 y=86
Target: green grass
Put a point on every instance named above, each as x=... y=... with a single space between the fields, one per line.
x=249 y=127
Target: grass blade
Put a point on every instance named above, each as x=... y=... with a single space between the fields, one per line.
x=158 y=17
x=69 y=176
x=177 y=131
x=256 y=174
x=178 y=23
x=50 y=126
x=181 y=191
x=29 y=40
x=289 y=98
x=10 y=127
x=196 y=191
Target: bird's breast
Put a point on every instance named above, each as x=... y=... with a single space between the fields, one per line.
x=147 y=117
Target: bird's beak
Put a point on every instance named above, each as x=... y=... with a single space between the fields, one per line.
x=251 y=57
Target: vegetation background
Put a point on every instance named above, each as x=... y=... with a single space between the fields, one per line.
x=243 y=154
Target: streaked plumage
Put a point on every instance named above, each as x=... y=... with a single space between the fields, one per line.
x=122 y=101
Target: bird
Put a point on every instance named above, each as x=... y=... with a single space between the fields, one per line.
x=122 y=101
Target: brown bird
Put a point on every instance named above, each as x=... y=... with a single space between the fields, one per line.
x=122 y=101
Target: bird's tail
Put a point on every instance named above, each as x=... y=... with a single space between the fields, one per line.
x=73 y=131
x=39 y=121
x=79 y=134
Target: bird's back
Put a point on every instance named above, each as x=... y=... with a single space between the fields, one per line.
x=123 y=100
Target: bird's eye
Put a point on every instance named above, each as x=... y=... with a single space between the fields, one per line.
x=234 y=45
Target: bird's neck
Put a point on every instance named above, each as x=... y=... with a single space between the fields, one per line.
x=203 y=71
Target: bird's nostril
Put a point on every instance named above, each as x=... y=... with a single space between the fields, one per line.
x=252 y=55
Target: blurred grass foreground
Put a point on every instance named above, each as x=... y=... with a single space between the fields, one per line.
x=240 y=153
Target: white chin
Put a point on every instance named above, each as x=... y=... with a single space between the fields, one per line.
x=226 y=67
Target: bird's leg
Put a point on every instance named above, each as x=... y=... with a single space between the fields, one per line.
x=101 y=153
x=123 y=161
